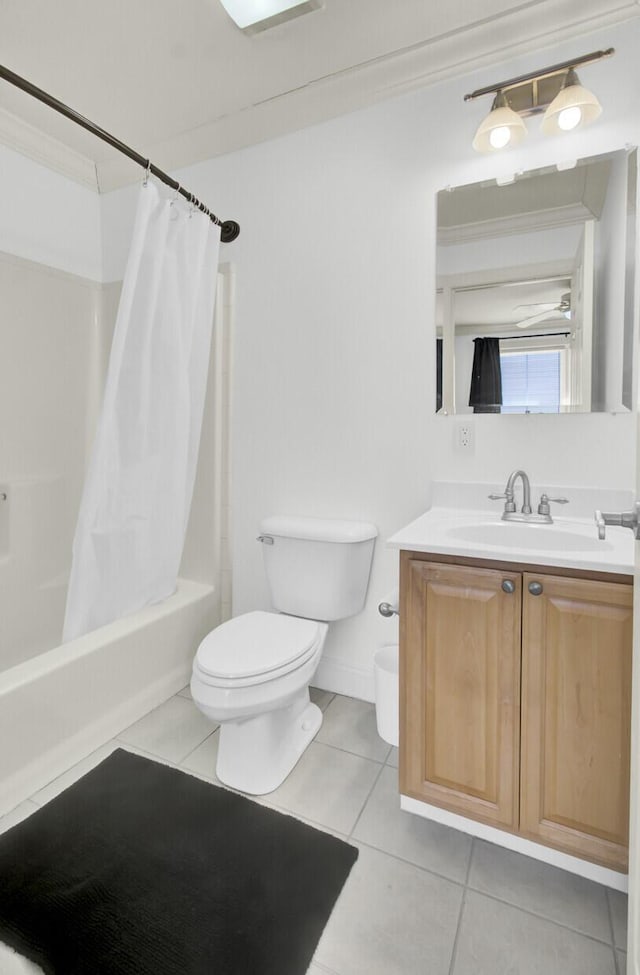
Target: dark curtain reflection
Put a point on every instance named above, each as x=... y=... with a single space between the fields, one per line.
x=485 y=394
x=438 y=374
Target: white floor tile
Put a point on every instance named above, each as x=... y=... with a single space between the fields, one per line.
x=171 y=731
x=427 y=844
x=619 y=905
x=391 y=919
x=327 y=786
x=320 y=697
x=540 y=888
x=497 y=939
x=396 y=916
x=202 y=760
x=351 y=725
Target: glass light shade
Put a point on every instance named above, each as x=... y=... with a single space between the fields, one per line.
x=501 y=128
x=572 y=106
x=249 y=13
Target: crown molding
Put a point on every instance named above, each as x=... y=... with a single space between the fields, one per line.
x=32 y=142
x=452 y=55
x=455 y=54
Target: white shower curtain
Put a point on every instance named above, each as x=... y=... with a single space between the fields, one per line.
x=135 y=505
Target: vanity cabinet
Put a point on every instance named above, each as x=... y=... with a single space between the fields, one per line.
x=516 y=699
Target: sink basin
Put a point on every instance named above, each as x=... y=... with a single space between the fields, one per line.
x=516 y=535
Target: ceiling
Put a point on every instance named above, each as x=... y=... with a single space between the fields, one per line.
x=494 y=308
x=181 y=83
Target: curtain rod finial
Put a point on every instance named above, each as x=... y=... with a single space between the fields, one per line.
x=229 y=231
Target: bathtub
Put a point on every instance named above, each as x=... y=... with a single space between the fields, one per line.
x=61 y=705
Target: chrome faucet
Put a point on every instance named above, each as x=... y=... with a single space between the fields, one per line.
x=510 y=513
x=526 y=491
x=625 y=519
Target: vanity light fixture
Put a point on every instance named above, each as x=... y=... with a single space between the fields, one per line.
x=253 y=16
x=572 y=106
x=554 y=91
x=501 y=128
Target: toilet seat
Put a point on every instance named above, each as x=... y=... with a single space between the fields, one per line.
x=256 y=647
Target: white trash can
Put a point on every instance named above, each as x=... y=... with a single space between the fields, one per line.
x=387 y=689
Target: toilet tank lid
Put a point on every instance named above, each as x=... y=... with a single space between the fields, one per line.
x=318 y=529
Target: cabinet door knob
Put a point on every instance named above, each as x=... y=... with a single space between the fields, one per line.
x=508 y=586
x=535 y=588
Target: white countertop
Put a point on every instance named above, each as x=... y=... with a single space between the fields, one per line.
x=443 y=530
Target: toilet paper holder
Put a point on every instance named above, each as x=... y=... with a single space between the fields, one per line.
x=389 y=605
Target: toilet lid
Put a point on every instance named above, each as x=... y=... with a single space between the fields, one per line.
x=256 y=643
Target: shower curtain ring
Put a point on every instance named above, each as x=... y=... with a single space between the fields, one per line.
x=176 y=195
x=147 y=173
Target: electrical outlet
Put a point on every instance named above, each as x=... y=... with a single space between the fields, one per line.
x=464 y=436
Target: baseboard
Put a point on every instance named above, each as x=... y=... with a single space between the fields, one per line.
x=340 y=678
x=601 y=875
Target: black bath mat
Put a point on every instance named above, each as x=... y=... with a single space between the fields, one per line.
x=139 y=869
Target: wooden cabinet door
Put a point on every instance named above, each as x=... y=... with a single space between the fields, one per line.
x=576 y=707
x=460 y=679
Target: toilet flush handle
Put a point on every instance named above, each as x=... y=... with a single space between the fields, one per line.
x=265 y=539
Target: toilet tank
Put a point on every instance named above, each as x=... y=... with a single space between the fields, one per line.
x=317 y=568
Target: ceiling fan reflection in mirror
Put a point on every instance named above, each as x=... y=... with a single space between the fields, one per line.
x=547 y=310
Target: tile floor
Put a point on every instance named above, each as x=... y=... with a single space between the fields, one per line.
x=422 y=899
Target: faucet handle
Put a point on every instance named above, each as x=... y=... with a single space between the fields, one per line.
x=543 y=507
x=509 y=504
x=600 y=522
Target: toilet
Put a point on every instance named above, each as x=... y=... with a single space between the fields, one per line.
x=252 y=673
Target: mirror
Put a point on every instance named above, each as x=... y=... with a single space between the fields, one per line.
x=535 y=290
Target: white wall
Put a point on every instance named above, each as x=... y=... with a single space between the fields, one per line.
x=48 y=218
x=334 y=385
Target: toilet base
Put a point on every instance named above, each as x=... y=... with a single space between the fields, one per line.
x=255 y=755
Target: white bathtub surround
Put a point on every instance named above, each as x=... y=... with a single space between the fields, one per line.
x=61 y=705
x=135 y=505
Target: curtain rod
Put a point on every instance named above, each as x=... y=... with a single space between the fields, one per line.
x=229 y=229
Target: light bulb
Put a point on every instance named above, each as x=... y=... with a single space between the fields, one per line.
x=500 y=136
x=569 y=118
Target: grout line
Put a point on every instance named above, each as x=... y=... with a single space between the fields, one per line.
x=143 y=752
x=613 y=937
x=323 y=968
x=214 y=732
x=345 y=751
x=471 y=853
x=410 y=863
x=364 y=804
x=610 y=914
x=454 y=947
x=387 y=762
x=616 y=967
x=542 y=917
x=322 y=827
